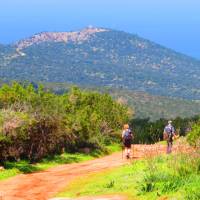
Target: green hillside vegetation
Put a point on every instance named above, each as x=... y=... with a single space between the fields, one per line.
x=110 y=58
x=156 y=107
x=35 y=123
x=144 y=105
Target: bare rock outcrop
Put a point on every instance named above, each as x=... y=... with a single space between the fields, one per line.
x=76 y=36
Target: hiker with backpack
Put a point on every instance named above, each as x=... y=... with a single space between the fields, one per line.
x=127 y=140
x=169 y=134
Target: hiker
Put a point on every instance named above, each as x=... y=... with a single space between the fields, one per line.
x=127 y=140
x=169 y=133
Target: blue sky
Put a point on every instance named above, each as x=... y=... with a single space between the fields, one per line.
x=172 y=23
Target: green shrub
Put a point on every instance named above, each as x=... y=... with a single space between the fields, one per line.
x=35 y=123
x=194 y=136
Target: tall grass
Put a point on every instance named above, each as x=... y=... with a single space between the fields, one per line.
x=171 y=174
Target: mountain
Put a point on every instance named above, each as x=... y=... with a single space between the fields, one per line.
x=102 y=57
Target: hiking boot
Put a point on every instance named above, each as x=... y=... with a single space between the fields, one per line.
x=127 y=156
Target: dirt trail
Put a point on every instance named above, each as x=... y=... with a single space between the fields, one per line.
x=44 y=185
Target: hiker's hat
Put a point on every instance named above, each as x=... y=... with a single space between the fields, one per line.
x=169 y=122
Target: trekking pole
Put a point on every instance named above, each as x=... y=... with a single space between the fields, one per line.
x=122 y=148
x=132 y=151
x=122 y=151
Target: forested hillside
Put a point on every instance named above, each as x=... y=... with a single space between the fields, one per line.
x=102 y=57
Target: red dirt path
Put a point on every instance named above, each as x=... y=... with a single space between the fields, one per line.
x=44 y=185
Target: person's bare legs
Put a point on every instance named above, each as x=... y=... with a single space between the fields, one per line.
x=169 y=147
x=127 y=152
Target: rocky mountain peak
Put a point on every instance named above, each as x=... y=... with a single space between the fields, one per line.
x=73 y=36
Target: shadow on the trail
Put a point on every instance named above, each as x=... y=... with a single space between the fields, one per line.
x=22 y=166
x=61 y=159
x=136 y=157
x=26 y=167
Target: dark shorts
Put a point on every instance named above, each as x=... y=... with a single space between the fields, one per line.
x=127 y=143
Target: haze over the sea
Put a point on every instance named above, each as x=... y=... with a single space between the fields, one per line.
x=172 y=23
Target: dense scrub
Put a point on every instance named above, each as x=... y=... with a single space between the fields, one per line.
x=35 y=123
x=144 y=104
x=194 y=136
x=149 y=132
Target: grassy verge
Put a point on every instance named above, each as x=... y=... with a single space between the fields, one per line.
x=171 y=177
x=14 y=168
x=117 y=181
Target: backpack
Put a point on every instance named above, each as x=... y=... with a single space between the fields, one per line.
x=127 y=135
x=169 y=131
